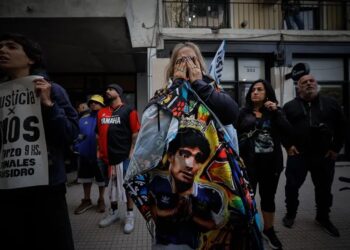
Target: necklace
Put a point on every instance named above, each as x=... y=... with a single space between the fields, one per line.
x=116 y=109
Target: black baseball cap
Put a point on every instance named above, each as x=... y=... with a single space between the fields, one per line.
x=299 y=70
x=116 y=87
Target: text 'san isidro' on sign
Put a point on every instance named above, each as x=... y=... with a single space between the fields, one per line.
x=23 y=147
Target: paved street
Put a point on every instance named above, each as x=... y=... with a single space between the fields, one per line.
x=304 y=235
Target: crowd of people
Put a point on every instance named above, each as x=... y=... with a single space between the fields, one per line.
x=184 y=187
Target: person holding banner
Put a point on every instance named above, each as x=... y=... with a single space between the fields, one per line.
x=185 y=176
x=33 y=209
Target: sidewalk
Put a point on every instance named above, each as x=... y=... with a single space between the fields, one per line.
x=304 y=235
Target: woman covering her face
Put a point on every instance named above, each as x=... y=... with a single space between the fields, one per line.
x=187 y=64
x=188 y=186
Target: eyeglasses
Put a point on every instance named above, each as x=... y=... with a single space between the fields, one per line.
x=199 y=157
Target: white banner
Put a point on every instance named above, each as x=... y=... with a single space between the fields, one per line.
x=23 y=159
x=217 y=65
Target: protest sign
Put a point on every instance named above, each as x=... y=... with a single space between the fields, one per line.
x=23 y=159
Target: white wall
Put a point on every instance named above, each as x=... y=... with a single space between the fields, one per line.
x=158 y=74
x=142 y=17
x=148 y=84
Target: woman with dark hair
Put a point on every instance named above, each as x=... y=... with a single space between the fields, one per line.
x=261 y=127
x=34 y=214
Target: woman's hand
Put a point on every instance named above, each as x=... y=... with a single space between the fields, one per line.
x=180 y=69
x=270 y=106
x=331 y=154
x=194 y=69
x=292 y=151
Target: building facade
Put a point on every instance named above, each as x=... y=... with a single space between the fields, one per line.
x=91 y=43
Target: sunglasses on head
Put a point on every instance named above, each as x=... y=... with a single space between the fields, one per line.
x=199 y=157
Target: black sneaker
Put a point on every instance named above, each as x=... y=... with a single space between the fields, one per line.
x=328 y=226
x=288 y=221
x=271 y=237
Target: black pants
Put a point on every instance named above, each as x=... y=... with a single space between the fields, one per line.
x=35 y=218
x=322 y=174
x=265 y=174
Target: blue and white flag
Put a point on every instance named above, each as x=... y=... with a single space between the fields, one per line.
x=215 y=71
x=217 y=65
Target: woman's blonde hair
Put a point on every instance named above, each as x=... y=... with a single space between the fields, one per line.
x=177 y=48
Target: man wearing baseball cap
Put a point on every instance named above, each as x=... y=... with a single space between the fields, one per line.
x=118 y=127
x=88 y=169
x=319 y=131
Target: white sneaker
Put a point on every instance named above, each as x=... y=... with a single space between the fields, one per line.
x=129 y=222
x=112 y=216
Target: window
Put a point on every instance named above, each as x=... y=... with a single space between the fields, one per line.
x=324 y=69
x=228 y=73
x=207 y=14
x=329 y=73
x=198 y=8
x=251 y=69
x=308 y=18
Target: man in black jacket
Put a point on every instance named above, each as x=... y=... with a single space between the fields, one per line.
x=319 y=128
